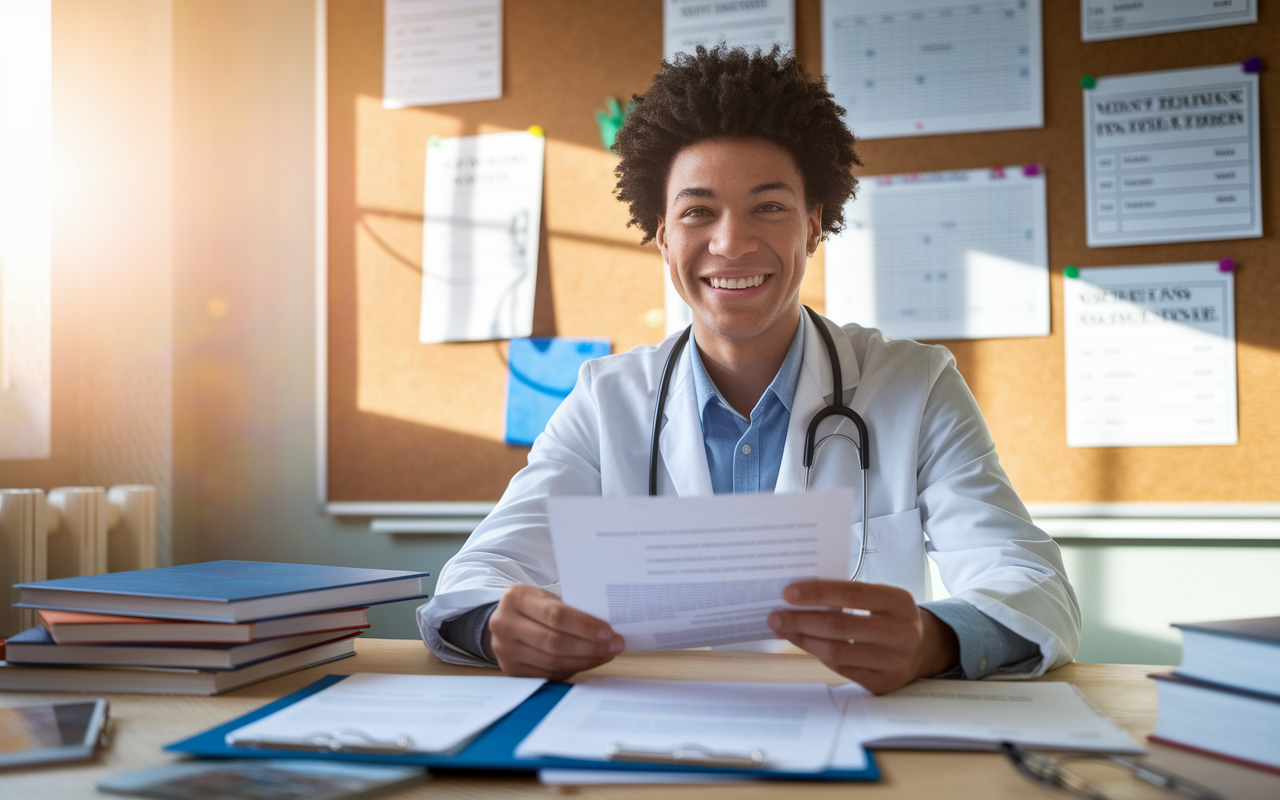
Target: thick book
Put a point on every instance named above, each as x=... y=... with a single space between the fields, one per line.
x=1244 y=653
x=156 y=680
x=224 y=591
x=36 y=646
x=78 y=627
x=1222 y=721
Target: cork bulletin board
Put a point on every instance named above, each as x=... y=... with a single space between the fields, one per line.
x=414 y=422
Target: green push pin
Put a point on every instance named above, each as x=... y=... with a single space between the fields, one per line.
x=433 y=141
x=1088 y=81
x=1071 y=272
x=610 y=121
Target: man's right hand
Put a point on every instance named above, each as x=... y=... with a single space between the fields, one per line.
x=533 y=634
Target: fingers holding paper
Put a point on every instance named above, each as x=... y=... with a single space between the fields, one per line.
x=534 y=634
x=886 y=644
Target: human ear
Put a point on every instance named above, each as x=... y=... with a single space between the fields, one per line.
x=814 y=229
x=660 y=237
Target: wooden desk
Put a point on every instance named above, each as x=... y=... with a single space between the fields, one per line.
x=143 y=724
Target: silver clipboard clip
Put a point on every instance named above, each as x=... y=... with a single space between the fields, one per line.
x=688 y=755
x=330 y=741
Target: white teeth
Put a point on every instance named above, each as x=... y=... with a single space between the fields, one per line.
x=737 y=283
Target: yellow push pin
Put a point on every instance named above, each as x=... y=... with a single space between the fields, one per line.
x=536 y=130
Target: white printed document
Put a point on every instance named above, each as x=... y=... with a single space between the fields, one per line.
x=1119 y=19
x=441 y=51
x=738 y=23
x=792 y=725
x=911 y=67
x=482 y=214
x=434 y=713
x=1151 y=356
x=944 y=255
x=675 y=572
x=1173 y=157
x=979 y=715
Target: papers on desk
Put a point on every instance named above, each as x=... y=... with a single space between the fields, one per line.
x=792 y=725
x=368 y=711
x=675 y=572
x=979 y=715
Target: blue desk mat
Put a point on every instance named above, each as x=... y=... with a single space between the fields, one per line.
x=494 y=749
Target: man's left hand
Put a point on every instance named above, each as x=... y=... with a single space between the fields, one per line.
x=885 y=649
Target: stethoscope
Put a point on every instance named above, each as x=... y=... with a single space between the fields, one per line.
x=837 y=408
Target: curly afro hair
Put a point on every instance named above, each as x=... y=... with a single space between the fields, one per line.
x=743 y=94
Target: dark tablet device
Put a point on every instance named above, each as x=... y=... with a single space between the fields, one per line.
x=51 y=732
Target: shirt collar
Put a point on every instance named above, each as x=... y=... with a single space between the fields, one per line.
x=783 y=385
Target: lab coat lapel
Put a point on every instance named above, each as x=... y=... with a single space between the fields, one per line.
x=813 y=393
x=684 y=456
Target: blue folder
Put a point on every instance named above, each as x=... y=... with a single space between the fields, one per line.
x=494 y=749
x=541 y=374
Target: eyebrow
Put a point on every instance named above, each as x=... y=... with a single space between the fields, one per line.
x=698 y=191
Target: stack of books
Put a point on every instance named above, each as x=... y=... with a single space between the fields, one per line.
x=1224 y=699
x=196 y=629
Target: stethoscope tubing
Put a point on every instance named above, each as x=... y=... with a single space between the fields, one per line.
x=836 y=408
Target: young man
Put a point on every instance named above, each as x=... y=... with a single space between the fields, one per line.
x=737 y=165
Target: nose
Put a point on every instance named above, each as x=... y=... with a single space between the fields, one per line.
x=733 y=237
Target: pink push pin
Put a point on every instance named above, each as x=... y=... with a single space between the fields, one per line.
x=997 y=172
x=1031 y=170
x=1227 y=265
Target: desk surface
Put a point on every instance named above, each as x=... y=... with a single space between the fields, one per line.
x=143 y=724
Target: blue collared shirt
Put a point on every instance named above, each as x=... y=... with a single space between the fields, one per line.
x=745 y=455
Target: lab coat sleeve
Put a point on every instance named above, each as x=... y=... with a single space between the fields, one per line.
x=988 y=551
x=513 y=544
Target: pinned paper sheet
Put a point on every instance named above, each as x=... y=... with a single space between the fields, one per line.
x=441 y=51
x=911 y=67
x=482 y=217
x=1173 y=156
x=1151 y=355
x=755 y=24
x=944 y=255
x=1107 y=19
x=541 y=373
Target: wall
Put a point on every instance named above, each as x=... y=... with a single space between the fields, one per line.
x=244 y=326
x=244 y=302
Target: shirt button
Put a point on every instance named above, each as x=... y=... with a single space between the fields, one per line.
x=982 y=665
x=746 y=449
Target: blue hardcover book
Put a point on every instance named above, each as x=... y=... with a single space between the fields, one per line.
x=225 y=591
x=541 y=374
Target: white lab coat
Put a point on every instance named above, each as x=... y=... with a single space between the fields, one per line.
x=936 y=485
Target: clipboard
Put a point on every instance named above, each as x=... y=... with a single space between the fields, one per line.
x=493 y=749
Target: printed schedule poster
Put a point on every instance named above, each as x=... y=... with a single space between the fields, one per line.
x=1151 y=356
x=482 y=209
x=441 y=51
x=1173 y=157
x=737 y=23
x=913 y=67
x=1120 y=19
x=944 y=255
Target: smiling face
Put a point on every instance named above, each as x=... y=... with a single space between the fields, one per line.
x=735 y=236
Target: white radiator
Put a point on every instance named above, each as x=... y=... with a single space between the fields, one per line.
x=75 y=531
